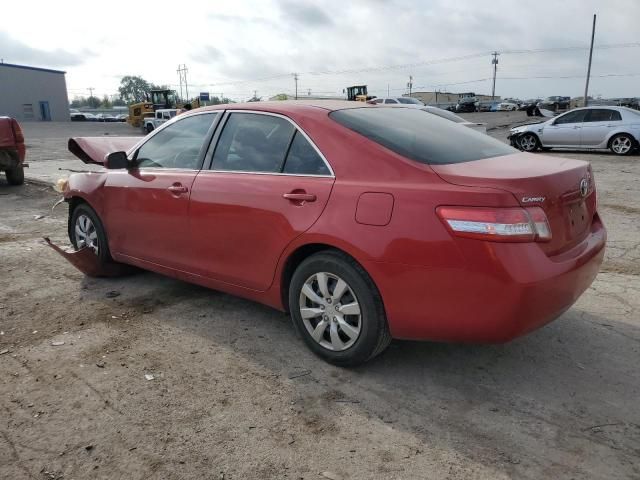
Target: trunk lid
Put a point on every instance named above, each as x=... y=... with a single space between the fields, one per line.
x=564 y=188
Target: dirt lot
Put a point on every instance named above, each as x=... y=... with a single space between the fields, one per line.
x=233 y=394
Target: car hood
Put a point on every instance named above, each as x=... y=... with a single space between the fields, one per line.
x=95 y=149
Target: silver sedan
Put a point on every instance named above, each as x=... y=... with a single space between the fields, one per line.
x=591 y=128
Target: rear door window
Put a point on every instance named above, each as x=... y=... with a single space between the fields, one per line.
x=303 y=159
x=252 y=142
x=603 y=115
x=420 y=136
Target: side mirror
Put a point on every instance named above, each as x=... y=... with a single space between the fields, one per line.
x=117 y=160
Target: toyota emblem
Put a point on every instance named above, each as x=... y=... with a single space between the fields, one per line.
x=584 y=187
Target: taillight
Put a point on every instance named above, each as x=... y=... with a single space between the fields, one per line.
x=17 y=131
x=497 y=224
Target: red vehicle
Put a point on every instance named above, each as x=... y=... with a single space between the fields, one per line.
x=364 y=223
x=12 y=150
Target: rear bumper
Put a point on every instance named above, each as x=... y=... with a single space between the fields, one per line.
x=506 y=291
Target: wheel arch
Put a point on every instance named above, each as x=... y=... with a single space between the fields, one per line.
x=298 y=255
x=622 y=132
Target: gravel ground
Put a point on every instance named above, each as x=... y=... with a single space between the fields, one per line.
x=157 y=378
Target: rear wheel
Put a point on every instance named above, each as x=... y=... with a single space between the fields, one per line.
x=337 y=309
x=15 y=175
x=86 y=230
x=622 y=144
x=529 y=142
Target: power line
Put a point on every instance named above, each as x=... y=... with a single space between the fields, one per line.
x=430 y=62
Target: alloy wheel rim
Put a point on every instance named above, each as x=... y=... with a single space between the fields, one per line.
x=621 y=145
x=86 y=234
x=527 y=143
x=330 y=311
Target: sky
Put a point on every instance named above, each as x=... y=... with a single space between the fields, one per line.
x=236 y=48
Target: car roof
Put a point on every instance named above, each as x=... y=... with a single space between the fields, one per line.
x=286 y=107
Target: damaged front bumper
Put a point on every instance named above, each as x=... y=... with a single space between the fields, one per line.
x=87 y=262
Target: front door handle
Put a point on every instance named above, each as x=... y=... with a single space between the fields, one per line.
x=177 y=189
x=300 y=197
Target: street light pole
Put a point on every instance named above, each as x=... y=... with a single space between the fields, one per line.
x=495 y=70
x=586 y=87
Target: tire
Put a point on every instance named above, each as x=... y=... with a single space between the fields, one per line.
x=148 y=128
x=99 y=243
x=15 y=175
x=361 y=334
x=528 y=142
x=622 y=144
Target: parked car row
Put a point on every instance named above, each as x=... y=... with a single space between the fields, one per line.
x=99 y=117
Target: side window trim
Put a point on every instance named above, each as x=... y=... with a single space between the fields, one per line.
x=217 y=115
x=208 y=161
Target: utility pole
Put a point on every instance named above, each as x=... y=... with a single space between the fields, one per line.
x=182 y=74
x=494 y=62
x=91 y=89
x=255 y=94
x=295 y=78
x=308 y=92
x=410 y=84
x=586 y=87
x=387 y=89
x=179 y=72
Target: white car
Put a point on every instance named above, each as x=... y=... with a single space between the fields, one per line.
x=507 y=106
x=591 y=128
x=479 y=127
x=161 y=116
x=404 y=101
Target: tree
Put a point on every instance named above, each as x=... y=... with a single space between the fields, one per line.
x=282 y=96
x=118 y=102
x=255 y=99
x=218 y=100
x=134 y=89
x=93 y=102
x=106 y=103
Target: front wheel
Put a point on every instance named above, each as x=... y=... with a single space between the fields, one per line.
x=337 y=309
x=15 y=175
x=529 y=142
x=622 y=144
x=149 y=128
x=86 y=231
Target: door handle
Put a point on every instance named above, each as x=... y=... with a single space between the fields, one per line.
x=575 y=128
x=300 y=197
x=177 y=189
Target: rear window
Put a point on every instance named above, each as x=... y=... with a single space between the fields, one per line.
x=420 y=136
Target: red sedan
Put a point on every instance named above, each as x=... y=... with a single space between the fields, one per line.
x=364 y=223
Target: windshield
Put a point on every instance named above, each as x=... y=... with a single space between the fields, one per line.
x=409 y=100
x=424 y=138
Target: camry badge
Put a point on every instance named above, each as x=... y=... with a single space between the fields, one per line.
x=533 y=199
x=584 y=187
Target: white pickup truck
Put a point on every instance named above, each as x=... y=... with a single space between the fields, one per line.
x=149 y=124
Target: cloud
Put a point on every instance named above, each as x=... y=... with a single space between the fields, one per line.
x=15 y=51
x=207 y=53
x=304 y=15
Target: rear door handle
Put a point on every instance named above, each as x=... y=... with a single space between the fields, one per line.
x=177 y=189
x=300 y=197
